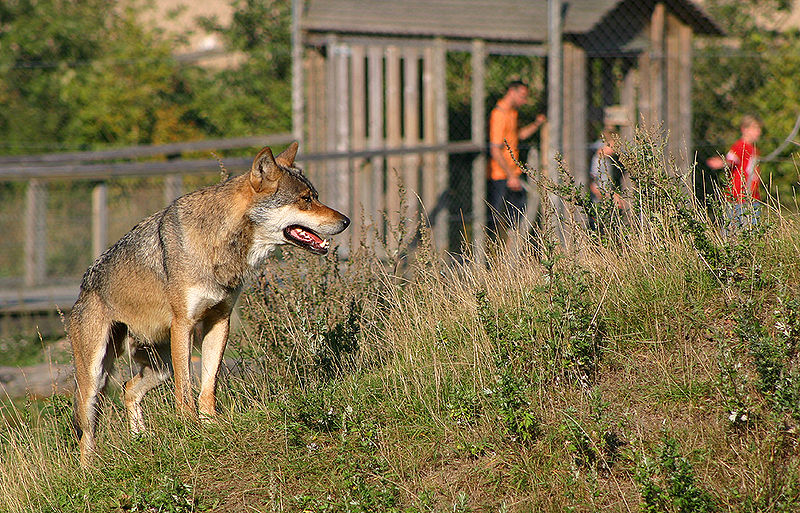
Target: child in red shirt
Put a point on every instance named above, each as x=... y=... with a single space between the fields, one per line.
x=742 y=161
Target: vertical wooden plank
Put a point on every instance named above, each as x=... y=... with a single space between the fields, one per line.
x=358 y=140
x=579 y=114
x=298 y=109
x=656 y=70
x=99 y=219
x=554 y=81
x=567 y=125
x=341 y=200
x=315 y=87
x=441 y=230
x=685 y=95
x=376 y=140
x=672 y=86
x=628 y=100
x=644 y=101
x=411 y=129
x=331 y=98
x=555 y=99
x=429 y=169
x=35 y=232
x=575 y=116
x=394 y=136
x=479 y=139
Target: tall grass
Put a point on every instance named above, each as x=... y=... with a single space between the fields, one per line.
x=650 y=367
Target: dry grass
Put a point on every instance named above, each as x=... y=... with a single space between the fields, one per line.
x=554 y=377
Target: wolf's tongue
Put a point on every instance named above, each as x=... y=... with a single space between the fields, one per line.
x=300 y=234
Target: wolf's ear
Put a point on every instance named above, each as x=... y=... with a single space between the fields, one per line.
x=264 y=171
x=286 y=157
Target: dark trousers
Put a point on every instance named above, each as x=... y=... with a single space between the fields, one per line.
x=506 y=207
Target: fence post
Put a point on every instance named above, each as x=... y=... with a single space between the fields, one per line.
x=479 y=138
x=376 y=140
x=35 y=232
x=439 y=61
x=173 y=188
x=99 y=219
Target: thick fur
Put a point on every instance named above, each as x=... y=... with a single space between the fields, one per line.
x=176 y=276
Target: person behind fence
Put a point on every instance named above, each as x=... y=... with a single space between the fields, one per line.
x=745 y=178
x=506 y=195
x=605 y=177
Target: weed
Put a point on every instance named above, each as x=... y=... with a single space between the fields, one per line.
x=667 y=483
x=776 y=355
x=316 y=411
x=594 y=445
x=171 y=495
x=463 y=406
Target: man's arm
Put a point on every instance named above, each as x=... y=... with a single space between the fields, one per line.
x=498 y=154
x=531 y=128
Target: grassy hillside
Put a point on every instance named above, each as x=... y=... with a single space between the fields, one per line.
x=651 y=368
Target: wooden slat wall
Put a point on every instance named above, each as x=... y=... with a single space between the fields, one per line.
x=373 y=97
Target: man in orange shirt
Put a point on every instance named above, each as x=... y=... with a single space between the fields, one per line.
x=506 y=196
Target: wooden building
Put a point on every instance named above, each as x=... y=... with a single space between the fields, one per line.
x=373 y=77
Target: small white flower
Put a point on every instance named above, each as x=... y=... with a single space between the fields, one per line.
x=732 y=416
x=743 y=418
x=349 y=410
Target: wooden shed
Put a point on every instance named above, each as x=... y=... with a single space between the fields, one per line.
x=370 y=76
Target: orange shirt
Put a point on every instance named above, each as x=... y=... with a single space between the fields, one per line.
x=503 y=126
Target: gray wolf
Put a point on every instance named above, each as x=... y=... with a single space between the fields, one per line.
x=176 y=276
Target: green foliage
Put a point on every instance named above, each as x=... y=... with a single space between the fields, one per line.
x=667 y=483
x=82 y=74
x=306 y=336
x=79 y=74
x=733 y=260
x=170 y=495
x=776 y=355
x=594 y=444
x=254 y=96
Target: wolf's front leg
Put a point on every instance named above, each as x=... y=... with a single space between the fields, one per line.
x=214 y=342
x=181 y=350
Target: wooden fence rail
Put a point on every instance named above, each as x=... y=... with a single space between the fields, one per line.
x=37 y=170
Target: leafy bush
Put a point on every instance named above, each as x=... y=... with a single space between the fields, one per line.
x=667 y=483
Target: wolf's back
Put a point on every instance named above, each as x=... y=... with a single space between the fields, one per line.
x=138 y=251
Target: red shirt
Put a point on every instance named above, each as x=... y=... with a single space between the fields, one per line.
x=742 y=160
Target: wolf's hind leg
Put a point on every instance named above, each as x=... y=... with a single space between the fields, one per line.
x=155 y=369
x=91 y=337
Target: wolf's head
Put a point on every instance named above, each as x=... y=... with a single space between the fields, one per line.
x=286 y=207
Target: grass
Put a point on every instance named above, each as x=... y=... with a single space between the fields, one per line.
x=652 y=368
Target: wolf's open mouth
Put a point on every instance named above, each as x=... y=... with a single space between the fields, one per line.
x=306 y=238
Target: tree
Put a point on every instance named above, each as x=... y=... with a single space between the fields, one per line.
x=81 y=73
x=255 y=95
